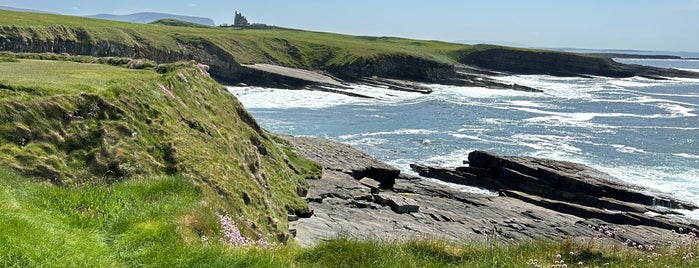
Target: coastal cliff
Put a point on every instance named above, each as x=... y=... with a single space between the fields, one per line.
x=522 y=61
x=73 y=125
x=352 y=58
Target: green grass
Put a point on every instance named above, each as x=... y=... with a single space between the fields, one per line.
x=345 y=56
x=83 y=124
x=47 y=78
x=288 y=47
x=159 y=221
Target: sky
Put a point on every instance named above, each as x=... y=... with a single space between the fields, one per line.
x=660 y=25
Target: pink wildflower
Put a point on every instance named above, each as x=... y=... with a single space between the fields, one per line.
x=166 y=90
x=204 y=69
x=182 y=77
x=233 y=237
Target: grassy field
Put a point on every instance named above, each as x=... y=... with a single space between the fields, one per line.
x=288 y=47
x=139 y=223
x=75 y=124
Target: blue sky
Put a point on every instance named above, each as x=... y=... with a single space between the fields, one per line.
x=671 y=25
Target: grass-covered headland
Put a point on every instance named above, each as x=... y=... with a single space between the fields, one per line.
x=226 y=49
x=103 y=165
x=116 y=162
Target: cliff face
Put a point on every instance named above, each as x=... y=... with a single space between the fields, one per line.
x=348 y=57
x=561 y=64
x=396 y=66
x=536 y=62
x=78 y=41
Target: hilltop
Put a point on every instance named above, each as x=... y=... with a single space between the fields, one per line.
x=148 y=17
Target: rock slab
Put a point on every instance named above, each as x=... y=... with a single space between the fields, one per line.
x=414 y=207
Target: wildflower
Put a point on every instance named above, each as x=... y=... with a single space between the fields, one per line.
x=204 y=69
x=204 y=238
x=182 y=77
x=166 y=90
x=231 y=233
x=233 y=237
x=558 y=257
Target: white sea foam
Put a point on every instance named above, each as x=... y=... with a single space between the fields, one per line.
x=680 y=183
x=549 y=145
x=466 y=93
x=394 y=132
x=525 y=103
x=687 y=69
x=464 y=188
x=692 y=214
x=678 y=110
x=272 y=98
x=675 y=111
x=636 y=82
x=688 y=156
x=628 y=149
x=648 y=99
x=453 y=159
x=362 y=142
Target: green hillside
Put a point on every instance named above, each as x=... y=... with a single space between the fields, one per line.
x=93 y=125
x=225 y=49
x=287 y=47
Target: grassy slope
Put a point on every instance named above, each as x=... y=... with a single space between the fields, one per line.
x=287 y=47
x=139 y=222
x=75 y=124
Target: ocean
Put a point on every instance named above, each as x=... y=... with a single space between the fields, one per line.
x=642 y=131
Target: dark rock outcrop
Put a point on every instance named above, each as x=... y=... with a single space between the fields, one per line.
x=347 y=205
x=520 y=61
x=395 y=66
x=564 y=187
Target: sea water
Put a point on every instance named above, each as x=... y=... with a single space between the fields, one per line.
x=639 y=130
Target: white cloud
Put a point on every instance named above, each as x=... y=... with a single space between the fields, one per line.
x=193 y=5
x=74 y=8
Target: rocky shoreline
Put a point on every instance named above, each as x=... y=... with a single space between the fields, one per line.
x=363 y=198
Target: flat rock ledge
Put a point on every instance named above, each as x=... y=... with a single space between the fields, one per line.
x=363 y=198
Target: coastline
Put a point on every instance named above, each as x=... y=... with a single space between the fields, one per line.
x=362 y=198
